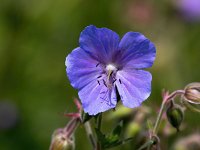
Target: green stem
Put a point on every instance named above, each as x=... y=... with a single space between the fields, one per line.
x=90 y=134
x=166 y=98
x=99 y=128
x=99 y=122
x=158 y=120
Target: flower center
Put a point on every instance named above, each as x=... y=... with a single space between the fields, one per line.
x=111 y=71
x=111 y=67
x=108 y=76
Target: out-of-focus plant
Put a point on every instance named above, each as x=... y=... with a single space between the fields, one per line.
x=63 y=138
x=175 y=114
x=190 y=142
x=189 y=9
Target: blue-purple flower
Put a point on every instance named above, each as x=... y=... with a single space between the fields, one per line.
x=105 y=66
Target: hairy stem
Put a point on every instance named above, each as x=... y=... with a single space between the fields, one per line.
x=90 y=134
x=71 y=126
x=158 y=120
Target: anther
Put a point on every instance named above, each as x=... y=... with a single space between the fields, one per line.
x=114 y=80
x=97 y=64
x=104 y=82
x=120 y=81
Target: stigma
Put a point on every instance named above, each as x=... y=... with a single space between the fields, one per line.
x=111 y=71
x=111 y=67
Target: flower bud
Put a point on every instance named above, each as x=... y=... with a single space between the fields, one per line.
x=175 y=115
x=61 y=142
x=192 y=93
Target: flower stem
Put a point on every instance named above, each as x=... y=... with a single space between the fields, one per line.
x=158 y=120
x=98 y=147
x=99 y=121
x=71 y=126
x=90 y=134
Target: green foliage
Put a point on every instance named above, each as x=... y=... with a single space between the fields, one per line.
x=113 y=139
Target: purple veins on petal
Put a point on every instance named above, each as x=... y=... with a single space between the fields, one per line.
x=137 y=51
x=81 y=68
x=103 y=66
x=101 y=43
x=135 y=87
x=97 y=98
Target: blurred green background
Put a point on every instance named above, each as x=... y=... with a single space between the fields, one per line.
x=37 y=35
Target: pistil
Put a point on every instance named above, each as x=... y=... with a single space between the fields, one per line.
x=110 y=70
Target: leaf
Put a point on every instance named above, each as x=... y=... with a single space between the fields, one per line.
x=106 y=141
x=147 y=144
x=111 y=140
x=117 y=143
x=117 y=130
x=114 y=144
x=101 y=137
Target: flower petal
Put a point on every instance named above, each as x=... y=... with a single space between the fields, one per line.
x=97 y=98
x=136 y=51
x=81 y=68
x=101 y=43
x=134 y=86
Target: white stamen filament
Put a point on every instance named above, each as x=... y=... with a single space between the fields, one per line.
x=110 y=68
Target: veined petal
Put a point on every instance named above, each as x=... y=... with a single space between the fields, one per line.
x=134 y=86
x=136 y=51
x=101 y=43
x=97 y=98
x=81 y=68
